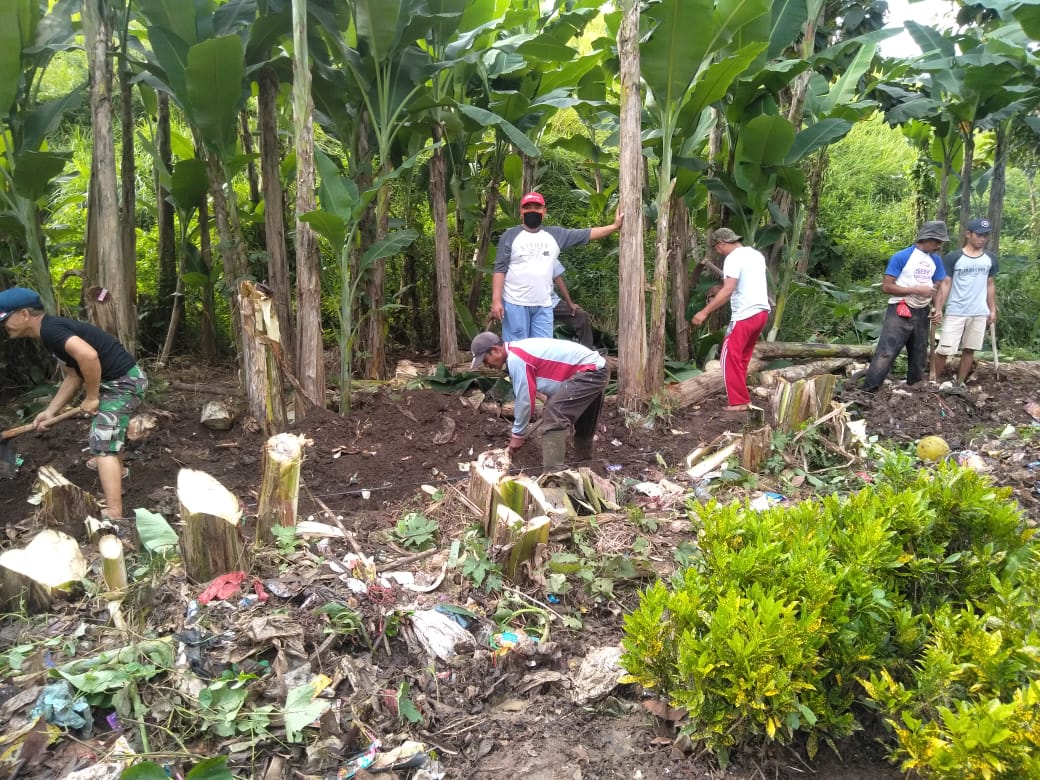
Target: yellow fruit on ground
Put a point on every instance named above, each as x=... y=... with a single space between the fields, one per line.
x=932 y=448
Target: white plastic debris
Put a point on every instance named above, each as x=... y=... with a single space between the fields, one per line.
x=598 y=675
x=439 y=635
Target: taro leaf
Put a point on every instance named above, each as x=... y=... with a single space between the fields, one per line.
x=155 y=533
x=302 y=709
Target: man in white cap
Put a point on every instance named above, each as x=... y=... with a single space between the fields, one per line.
x=744 y=286
x=970 y=295
x=911 y=279
x=573 y=378
x=521 y=287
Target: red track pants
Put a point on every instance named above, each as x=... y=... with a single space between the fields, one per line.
x=736 y=355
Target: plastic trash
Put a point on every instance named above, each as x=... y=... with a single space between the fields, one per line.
x=439 y=635
x=599 y=673
x=56 y=704
x=765 y=501
x=363 y=761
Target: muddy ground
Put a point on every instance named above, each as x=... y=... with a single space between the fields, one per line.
x=486 y=714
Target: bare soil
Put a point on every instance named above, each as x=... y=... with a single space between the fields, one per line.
x=487 y=714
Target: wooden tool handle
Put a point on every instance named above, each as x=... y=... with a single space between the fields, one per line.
x=10 y=433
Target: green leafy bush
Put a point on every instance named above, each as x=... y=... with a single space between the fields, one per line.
x=916 y=597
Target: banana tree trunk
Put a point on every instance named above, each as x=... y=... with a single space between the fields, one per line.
x=167 y=239
x=966 y=173
x=632 y=357
x=679 y=272
x=128 y=185
x=236 y=269
x=310 y=365
x=449 y=340
x=274 y=207
x=97 y=31
x=997 y=187
x=375 y=324
x=487 y=225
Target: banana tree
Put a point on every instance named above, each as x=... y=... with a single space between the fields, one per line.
x=28 y=40
x=343 y=206
x=695 y=51
x=198 y=58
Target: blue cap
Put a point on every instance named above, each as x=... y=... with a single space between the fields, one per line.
x=16 y=298
x=980 y=227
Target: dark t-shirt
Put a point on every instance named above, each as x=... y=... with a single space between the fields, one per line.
x=115 y=360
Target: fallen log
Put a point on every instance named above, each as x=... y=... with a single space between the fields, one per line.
x=769 y=377
x=774 y=350
x=63 y=505
x=211 y=543
x=701 y=388
x=280 y=485
x=1023 y=369
x=34 y=576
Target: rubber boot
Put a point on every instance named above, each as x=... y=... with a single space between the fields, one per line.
x=582 y=448
x=554 y=450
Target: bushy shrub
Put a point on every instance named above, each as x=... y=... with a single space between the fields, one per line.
x=916 y=597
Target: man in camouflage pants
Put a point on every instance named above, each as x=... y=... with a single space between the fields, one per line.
x=90 y=359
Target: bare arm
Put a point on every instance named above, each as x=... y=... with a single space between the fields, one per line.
x=942 y=292
x=86 y=358
x=991 y=299
x=498 y=282
x=67 y=390
x=597 y=233
x=729 y=284
x=889 y=286
x=565 y=294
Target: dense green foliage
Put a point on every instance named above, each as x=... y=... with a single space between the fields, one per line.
x=915 y=598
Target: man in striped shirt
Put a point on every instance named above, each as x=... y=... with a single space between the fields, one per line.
x=573 y=377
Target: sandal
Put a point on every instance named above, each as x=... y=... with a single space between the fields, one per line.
x=92 y=465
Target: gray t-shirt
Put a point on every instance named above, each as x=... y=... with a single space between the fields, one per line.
x=527 y=260
x=969 y=277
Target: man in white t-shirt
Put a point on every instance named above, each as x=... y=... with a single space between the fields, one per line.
x=521 y=287
x=970 y=295
x=744 y=286
x=911 y=279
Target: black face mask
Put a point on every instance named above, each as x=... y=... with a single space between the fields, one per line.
x=532 y=219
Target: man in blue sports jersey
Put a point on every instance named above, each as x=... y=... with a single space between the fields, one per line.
x=573 y=377
x=911 y=279
x=521 y=287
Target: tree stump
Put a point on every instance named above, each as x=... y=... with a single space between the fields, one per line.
x=65 y=506
x=754 y=448
x=260 y=324
x=211 y=542
x=280 y=485
x=33 y=576
x=795 y=403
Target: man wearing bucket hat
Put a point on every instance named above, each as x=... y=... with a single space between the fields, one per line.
x=521 y=287
x=970 y=295
x=573 y=378
x=911 y=279
x=744 y=286
x=112 y=383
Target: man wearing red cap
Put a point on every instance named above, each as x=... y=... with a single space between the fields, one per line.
x=521 y=288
